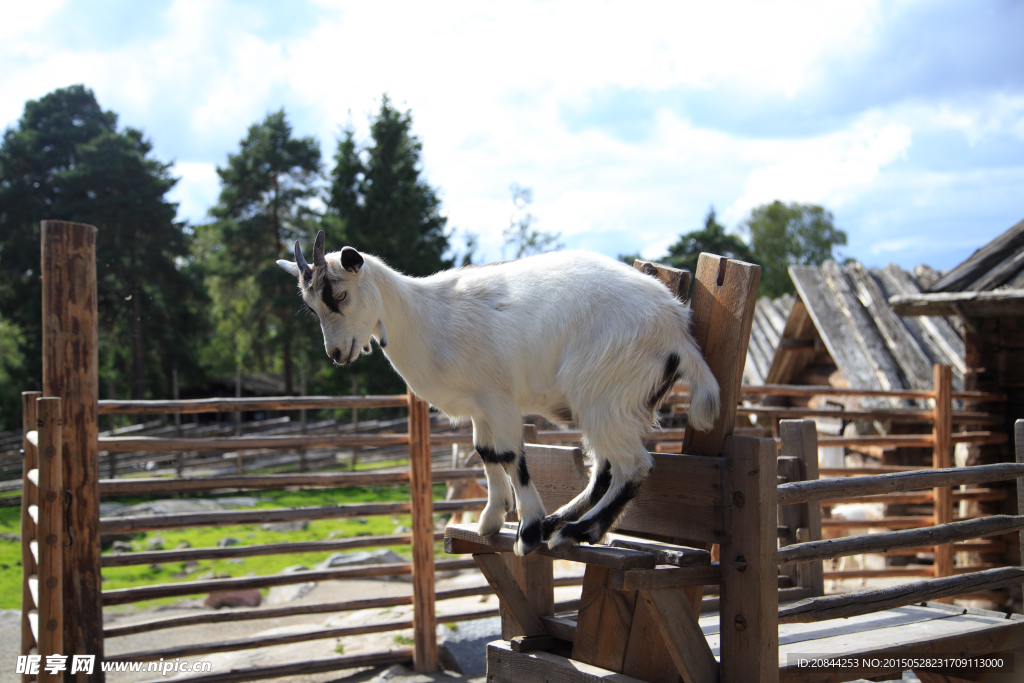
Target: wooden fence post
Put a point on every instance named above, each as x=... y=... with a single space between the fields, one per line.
x=421 y=490
x=942 y=456
x=71 y=372
x=28 y=526
x=50 y=534
x=179 y=463
x=800 y=439
x=1018 y=449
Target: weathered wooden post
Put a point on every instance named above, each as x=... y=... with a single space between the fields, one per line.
x=71 y=372
x=49 y=535
x=29 y=498
x=176 y=395
x=1018 y=449
x=942 y=456
x=421 y=490
x=800 y=439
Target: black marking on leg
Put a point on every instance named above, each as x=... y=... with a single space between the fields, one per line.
x=594 y=529
x=530 y=535
x=524 y=472
x=550 y=525
x=668 y=380
x=601 y=484
x=490 y=457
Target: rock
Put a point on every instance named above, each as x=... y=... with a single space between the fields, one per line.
x=107 y=541
x=156 y=567
x=182 y=544
x=154 y=543
x=362 y=557
x=401 y=529
x=10 y=537
x=235 y=560
x=212 y=575
x=279 y=595
x=226 y=541
x=121 y=547
x=238 y=501
x=463 y=649
x=239 y=598
x=190 y=567
x=286 y=526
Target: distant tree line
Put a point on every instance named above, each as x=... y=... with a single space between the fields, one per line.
x=205 y=299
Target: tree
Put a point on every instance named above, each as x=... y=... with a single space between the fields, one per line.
x=712 y=238
x=264 y=206
x=786 y=234
x=387 y=207
x=66 y=160
x=519 y=235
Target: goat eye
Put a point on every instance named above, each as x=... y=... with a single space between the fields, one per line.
x=342 y=296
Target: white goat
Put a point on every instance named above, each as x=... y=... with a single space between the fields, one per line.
x=568 y=335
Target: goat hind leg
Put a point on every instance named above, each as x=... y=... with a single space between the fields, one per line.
x=592 y=526
x=600 y=479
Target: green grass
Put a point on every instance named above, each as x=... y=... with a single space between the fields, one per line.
x=205 y=537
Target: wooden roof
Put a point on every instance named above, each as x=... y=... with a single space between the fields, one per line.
x=845 y=310
x=998 y=264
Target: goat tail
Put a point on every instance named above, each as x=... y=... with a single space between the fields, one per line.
x=704 y=392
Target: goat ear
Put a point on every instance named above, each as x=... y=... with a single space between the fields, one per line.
x=290 y=266
x=351 y=260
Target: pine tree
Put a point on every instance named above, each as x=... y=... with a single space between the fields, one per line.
x=712 y=239
x=264 y=206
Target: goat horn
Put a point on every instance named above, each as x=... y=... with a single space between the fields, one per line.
x=303 y=266
x=318 y=250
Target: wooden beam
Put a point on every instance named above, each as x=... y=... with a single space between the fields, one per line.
x=1018 y=429
x=504 y=665
x=50 y=534
x=865 y=602
x=942 y=458
x=500 y=578
x=800 y=439
x=677 y=281
x=682 y=634
x=463 y=539
x=665 y=577
x=153 y=444
x=224 y=405
x=824 y=489
x=29 y=498
x=749 y=603
x=71 y=372
x=422 y=504
x=604 y=620
x=1008 y=303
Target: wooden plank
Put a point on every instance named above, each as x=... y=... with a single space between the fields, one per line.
x=834 y=327
x=50 y=534
x=120 y=596
x=665 y=577
x=647 y=655
x=981 y=262
x=71 y=372
x=531 y=643
x=153 y=444
x=800 y=439
x=749 y=601
x=682 y=635
x=664 y=553
x=526 y=620
x=722 y=309
x=790 y=469
x=893 y=540
x=901 y=344
x=507 y=666
x=1006 y=303
x=558 y=473
x=562 y=628
x=29 y=498
x=1018 y=429
x=135 y=487
x=824 y=489
x=421 y=492
x=602 y=626
x=223 y=405
x=940 y=337
x=863 y=602
x=677 y=281
x=535 y=576
x=305 y=667
x=463 y=538
x=942 y=458
x=964 y=635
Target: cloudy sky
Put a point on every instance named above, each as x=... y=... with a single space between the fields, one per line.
x=628 y=120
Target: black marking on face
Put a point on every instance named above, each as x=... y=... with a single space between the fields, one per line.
x=327 y=296
x=668 y=380
x=490 y=457
x=601 y=484
x=307 y=276
x=523 y=472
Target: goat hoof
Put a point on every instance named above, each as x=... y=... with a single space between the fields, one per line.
x=490 y=522
x=528 y=538
x=562 y=539
x=550 y=525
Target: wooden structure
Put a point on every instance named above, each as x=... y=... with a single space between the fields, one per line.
x=42 y=531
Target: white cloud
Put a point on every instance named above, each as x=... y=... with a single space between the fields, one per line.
x=196 y=191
